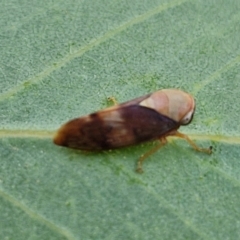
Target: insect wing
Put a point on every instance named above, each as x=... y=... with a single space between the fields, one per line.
x=115 y=127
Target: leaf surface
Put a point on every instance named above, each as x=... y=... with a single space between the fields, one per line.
x=63 y=59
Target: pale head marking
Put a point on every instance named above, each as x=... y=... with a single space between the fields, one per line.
x=173 y=103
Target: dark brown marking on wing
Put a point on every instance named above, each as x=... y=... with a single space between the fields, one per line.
x=86 y=133
x=94 y=116
x=146 y=123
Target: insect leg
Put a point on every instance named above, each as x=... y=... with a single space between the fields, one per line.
x=147 y=154
x=112 y=99
x=181 y=135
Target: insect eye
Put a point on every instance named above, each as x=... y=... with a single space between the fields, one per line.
x=187 y=118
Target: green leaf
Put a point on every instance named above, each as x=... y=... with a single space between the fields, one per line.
x=63 y=59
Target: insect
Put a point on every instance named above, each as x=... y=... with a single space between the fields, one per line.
x=150 y=117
